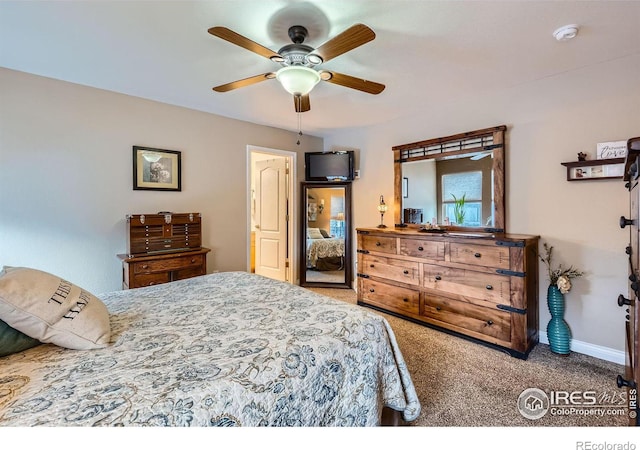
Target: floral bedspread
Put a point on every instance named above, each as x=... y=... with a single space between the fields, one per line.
x=323 y=248
x=226 y=349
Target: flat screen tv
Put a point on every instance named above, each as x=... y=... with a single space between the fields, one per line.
x=329 y=166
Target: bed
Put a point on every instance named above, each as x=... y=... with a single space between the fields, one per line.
x=325 y=253
x=225 y=349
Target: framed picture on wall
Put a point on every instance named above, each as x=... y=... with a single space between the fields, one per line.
x=312 y=212
x=156 y=169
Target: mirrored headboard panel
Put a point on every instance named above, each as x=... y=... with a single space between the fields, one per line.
x=456 y=182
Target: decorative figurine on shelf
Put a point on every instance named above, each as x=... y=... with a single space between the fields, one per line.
x=558 y=331
x=582 y=156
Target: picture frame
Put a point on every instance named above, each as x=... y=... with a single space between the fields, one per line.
x=156 y=169
x=312 y=212
x=405 y=187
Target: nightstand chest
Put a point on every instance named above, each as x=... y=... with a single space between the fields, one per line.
x=161 y=248
x=140 y=271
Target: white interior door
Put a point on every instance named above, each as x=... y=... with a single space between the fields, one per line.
x=271 y=250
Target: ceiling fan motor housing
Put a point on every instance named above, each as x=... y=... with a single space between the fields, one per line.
x=297 y=54
x=298 y=34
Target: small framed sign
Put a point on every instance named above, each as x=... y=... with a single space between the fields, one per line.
x=156 y=169
x=607 y=150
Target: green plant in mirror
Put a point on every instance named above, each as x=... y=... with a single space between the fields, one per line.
x=458 y=209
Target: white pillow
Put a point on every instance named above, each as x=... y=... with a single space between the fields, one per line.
x=314 y=233
x=50 y=309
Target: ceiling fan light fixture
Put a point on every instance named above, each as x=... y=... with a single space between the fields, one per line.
x=297 y=80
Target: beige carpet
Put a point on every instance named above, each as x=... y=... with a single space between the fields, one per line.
x=462 y=383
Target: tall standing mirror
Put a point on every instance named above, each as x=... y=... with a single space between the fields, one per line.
x=455 y=181
x=325 y=259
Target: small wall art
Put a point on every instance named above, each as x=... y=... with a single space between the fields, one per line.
x=156 y=169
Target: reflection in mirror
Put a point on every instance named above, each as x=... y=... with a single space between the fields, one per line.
x=453 y=182
x=457 y=191
x=325 y=258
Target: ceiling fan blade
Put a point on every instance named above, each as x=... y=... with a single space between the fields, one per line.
x=370 y=87
x=237 y=39
x=349 y=39
x=244 y=82
x=301 y=103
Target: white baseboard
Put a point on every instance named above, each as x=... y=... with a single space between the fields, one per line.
x=597 y=351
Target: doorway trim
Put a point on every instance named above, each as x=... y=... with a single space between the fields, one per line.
x=292 y=253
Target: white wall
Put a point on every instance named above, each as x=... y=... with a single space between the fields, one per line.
x=549 y=121
x=66 y=176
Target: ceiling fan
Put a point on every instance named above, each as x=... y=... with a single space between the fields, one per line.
x=298 y=74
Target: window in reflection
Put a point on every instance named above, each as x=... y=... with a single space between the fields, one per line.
x=462 y=198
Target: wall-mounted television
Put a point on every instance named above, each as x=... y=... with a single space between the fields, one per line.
x=329 y=166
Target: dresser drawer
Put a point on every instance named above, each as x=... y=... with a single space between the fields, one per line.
x=486 y=321
x=422 y=249
x=383 y=244
x=392 y=298
x=468 y=283
x=391 y=269
x=168 y=264
x=149 y=279
x=188 y=273
x=479 y=255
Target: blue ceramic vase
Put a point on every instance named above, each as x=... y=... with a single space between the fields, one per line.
x=558 y=331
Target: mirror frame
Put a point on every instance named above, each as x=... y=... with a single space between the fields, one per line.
x=348 y=257
x=457 y=144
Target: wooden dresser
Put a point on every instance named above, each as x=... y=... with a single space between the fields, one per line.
x=161 y=248
x=477 y=285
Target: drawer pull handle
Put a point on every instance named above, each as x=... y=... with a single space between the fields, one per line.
x=406 y=272
x=405 y=300
x=489 y=287
x=623 y=301
x=145 y=266
x=624 y=221
x=438 y=308
x=371 y=265
x=620 y=381
x=378 y=244
x=489 y=322
x=371 y=290
x=477 y=255
x=438 y=278
x=193 y=260
x=420 y=248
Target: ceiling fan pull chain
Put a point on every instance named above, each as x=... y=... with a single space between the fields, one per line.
x=299 y=124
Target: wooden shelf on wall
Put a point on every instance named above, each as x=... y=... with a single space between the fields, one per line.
x=599 y=169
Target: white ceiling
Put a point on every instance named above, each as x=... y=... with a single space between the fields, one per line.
x=425 y=52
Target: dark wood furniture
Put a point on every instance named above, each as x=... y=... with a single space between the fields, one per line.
x=632 y=369
x=140 y=271
x=480 y=286
x=161 y=248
